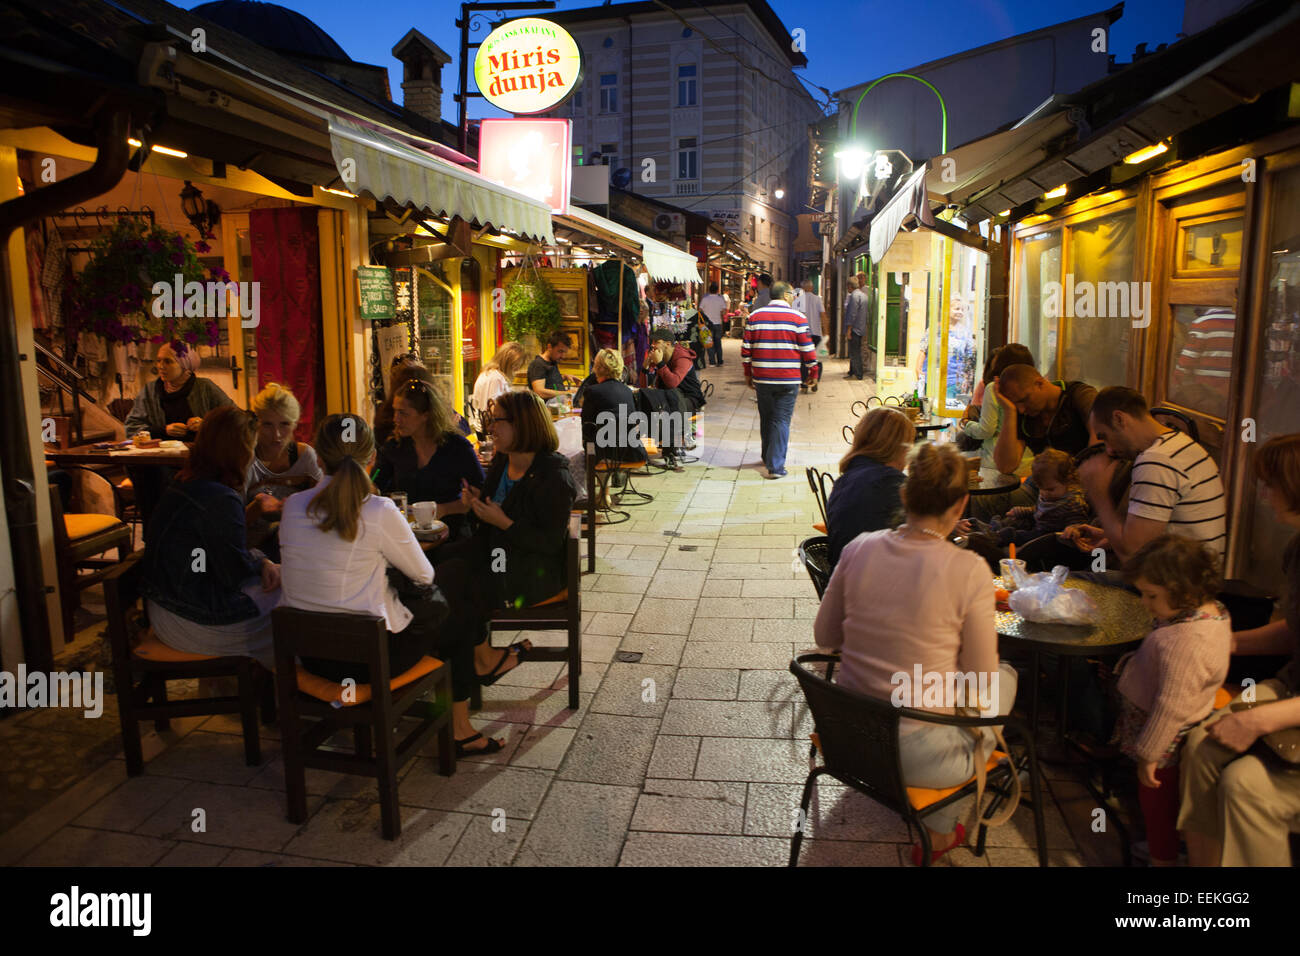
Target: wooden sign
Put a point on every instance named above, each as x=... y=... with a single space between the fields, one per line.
x=376 y=298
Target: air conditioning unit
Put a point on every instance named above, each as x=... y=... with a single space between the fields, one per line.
x=669 y=222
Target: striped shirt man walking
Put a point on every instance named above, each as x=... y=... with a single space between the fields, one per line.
x=775 y=348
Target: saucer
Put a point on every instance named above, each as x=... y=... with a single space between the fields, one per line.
x=432 y=533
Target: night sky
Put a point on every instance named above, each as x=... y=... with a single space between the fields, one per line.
x=847 y=42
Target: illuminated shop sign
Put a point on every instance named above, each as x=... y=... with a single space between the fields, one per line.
x=528 y=66
x=531 y=156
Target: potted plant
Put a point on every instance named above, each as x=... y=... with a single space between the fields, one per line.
x=531 y=308
x=113 y=295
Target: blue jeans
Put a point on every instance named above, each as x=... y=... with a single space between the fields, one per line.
x=775 y=408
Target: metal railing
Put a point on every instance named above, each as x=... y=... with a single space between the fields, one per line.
x=51 y=372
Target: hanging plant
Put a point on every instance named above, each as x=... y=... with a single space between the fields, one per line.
x=113 y=295
x=531 y=306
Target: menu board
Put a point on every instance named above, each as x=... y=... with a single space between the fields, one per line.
x=376 y=298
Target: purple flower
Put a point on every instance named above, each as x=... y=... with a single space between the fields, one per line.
x=178 y=241
x=177 y=258
x=202 y=246
x=155 y=245
x=191 y=337
x=156 y=339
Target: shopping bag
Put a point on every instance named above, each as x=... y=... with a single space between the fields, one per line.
x=1045 y=598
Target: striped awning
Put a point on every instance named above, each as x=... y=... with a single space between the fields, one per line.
x=663 y=262
x=370 y=162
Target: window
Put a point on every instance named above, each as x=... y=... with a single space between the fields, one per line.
x=577 y=101
x=749 y=230
x=753 y=163
x=1040 y=263
x=686 y=85
x=609 y=92
x=688 y=159
x=1095 y=347
x=609 y=154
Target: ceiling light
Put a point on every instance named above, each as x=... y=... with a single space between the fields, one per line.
x=338 y=192
x=1005 y=212
x=165 y=150
x=1055 y=193
x=1147 y=152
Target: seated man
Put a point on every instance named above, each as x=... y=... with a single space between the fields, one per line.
x=544 y=375
x=670 y=366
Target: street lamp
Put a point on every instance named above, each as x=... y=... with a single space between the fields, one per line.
x=778 y=192
x=852 y=160
x=943 y=107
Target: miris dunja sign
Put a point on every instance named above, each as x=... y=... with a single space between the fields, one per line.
x=528 y=65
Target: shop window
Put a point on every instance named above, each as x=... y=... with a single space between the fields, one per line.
x=1210 y=245
x=1040 y=264
x=471 y=328
x=1200 y=357
x=609 y=92
x=433 y=316
x=896 y=316
x=965 y=327
x=686 y=84
x=1278 y=411
x=1097 y=343
x=609 y=154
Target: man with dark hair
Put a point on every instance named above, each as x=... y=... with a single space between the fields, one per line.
x=775 y=348
x=1175 y=486
x=712 y=306
x=544 y=375
x=764 y=292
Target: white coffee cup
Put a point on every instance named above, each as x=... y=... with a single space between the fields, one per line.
x=424 y=512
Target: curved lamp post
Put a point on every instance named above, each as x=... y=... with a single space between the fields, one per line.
x=943 y=107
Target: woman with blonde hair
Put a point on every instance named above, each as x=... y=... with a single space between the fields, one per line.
x=607 y=407
x=866 y=495
x=338 y=541
x=883 y=609
x=498 y=376
x=281 y=464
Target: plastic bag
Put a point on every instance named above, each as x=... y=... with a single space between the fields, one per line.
x=569 y=431
x=823 y=353
x=1045 y=598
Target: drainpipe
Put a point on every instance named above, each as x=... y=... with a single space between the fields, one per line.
x=631 y=112
x=15 y=457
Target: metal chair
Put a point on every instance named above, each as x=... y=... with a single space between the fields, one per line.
x=893 y=400
x=815 y=555
x=847 y=432
x=853 y=408
x=857 y=736
x=873 y=398
x=817 y=481
x=1179 y=421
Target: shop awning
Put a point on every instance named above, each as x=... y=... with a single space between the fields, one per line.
x=370 y=162
x=909 y=201
x=663 y=262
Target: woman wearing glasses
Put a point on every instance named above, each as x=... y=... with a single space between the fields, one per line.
x=428 y=457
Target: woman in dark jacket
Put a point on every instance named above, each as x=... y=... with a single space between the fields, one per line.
x=866 y=495
x=207 y=593
x=607 y=409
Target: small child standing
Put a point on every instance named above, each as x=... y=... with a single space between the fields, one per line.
x=1167 y=686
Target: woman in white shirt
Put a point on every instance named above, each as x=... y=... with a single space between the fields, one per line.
x=337 y=542
x=908 y=599
x=497 y=377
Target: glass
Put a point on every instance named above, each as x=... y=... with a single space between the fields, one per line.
x=434 y=311
x=965 y=328
x=1207 y=246
x=1278 y=412
x=399 y=499
x=1200 y=357
x=1040 y=263
x=1096 y=348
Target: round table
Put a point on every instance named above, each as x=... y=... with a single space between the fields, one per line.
x=923 y=429
x=993 y=482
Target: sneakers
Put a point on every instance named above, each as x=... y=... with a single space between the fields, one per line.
x=772 y=475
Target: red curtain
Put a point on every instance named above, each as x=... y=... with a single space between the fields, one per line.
x=286 y=265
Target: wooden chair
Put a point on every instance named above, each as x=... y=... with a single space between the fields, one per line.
x=372 y=711
x=142 y=669
x=560 y=613
x=77 y=539
x=857 y=736
x=585 y=507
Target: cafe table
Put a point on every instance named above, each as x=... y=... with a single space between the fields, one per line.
x=993 y=482
x=1121 y=624
x=90 y=455
x=925 y=427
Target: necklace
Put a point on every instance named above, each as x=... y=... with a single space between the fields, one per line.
x=931 y=532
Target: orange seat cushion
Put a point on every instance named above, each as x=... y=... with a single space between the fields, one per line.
x=1224 y=696
x=152 y=649
x=818 y=526
x=322 y=688
x=85 y=525
x=922 y=797
x=557 y=599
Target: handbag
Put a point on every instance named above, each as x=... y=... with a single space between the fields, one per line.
x=425 y=601
x=981 y=776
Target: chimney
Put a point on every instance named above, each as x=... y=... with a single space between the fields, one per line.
x=422 y=62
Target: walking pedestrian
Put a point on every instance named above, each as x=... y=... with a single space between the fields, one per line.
x=855 y=319
x=764 y=295
x=712 y=307
x=809 y=303
x=775 y=347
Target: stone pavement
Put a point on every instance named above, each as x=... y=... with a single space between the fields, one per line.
x=690 y=747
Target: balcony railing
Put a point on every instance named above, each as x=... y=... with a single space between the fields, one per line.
x=686 y=189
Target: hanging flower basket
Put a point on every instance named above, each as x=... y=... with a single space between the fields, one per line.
x=531 y=307
x=113 y=295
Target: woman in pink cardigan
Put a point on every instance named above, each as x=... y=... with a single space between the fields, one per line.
x=910 y=598
x=1167 y=685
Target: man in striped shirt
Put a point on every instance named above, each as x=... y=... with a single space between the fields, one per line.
x=774 y=351
x=1175 y=486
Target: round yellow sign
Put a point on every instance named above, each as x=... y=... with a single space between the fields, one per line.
x=528 y=65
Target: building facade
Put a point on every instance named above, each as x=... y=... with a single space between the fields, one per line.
x=700 y=104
